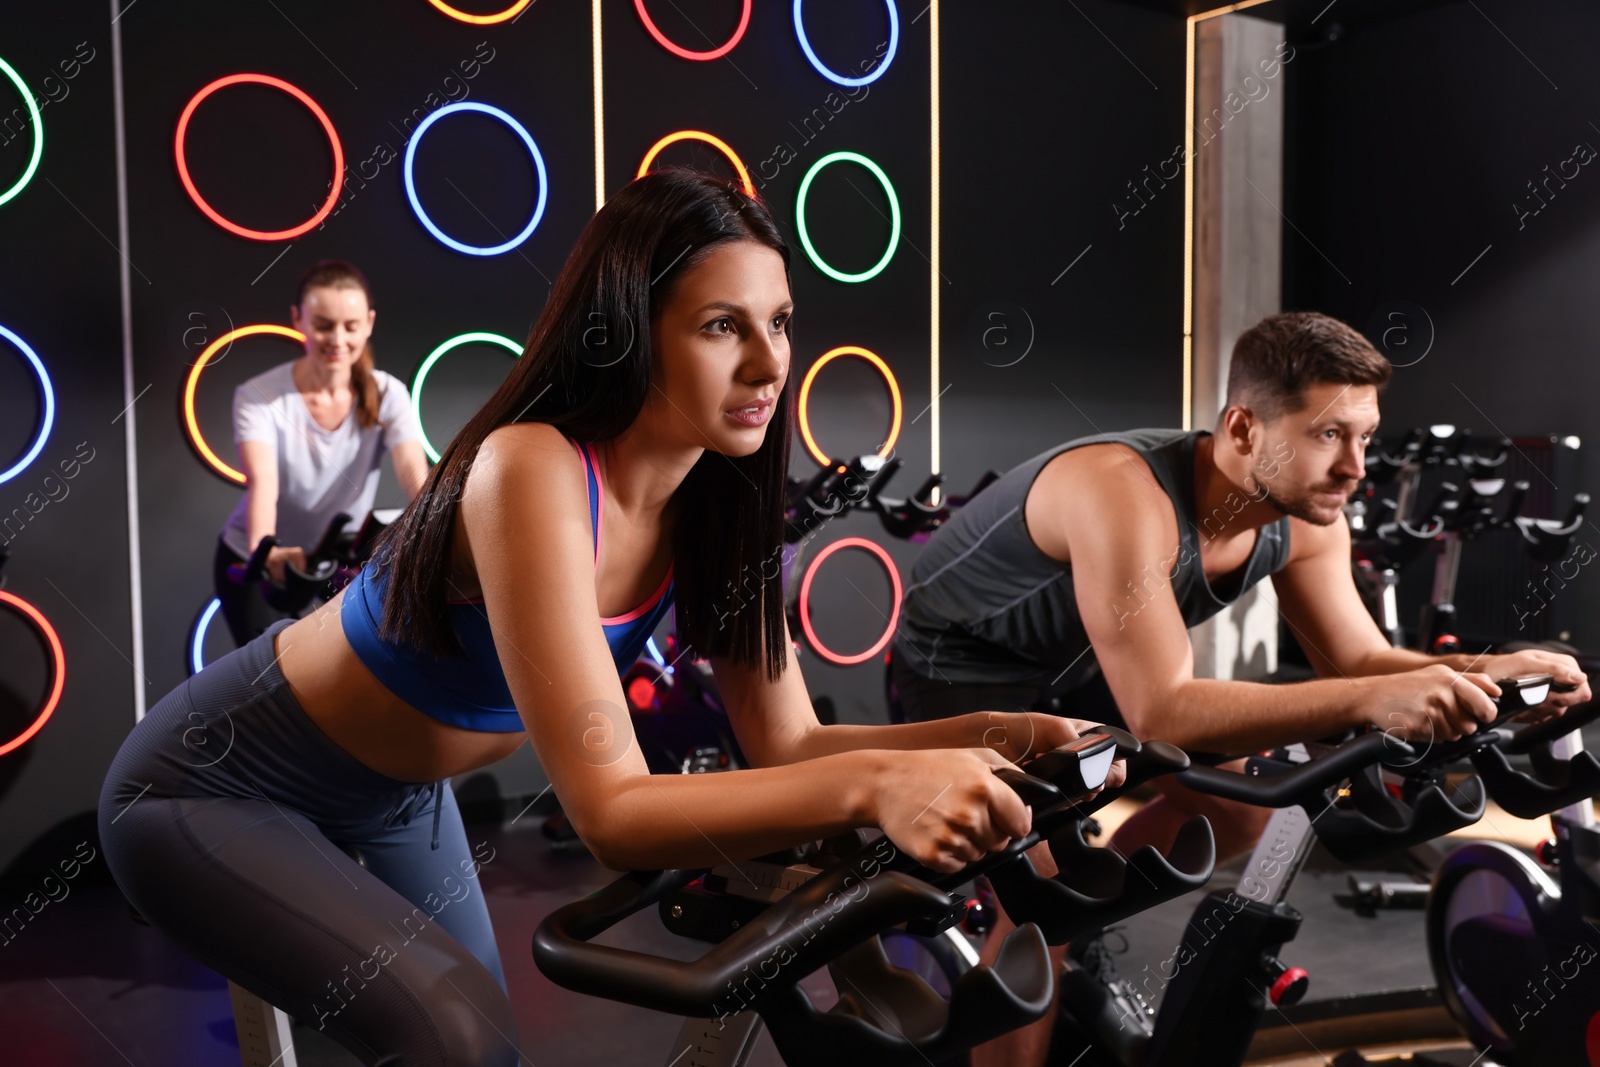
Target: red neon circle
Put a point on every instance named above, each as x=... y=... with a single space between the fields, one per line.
x=58 y=669
x=805 y=601
x=715 y=53
x=212 y=213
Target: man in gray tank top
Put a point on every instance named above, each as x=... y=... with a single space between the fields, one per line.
x=1080 y=572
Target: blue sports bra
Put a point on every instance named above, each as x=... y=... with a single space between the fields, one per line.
x=472 y=692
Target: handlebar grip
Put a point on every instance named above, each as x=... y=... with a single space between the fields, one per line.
x=1528 y=738
x=1034 y=792
x=1305 y=783
x=1078 y=767
x=256 y=565
x=789 y=929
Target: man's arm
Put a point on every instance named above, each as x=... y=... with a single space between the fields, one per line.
x=1123 y=537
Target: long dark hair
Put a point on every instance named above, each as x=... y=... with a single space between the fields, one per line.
x=337 y=274
x=586 y=371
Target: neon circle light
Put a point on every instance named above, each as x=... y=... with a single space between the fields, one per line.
x=434 y=357
x=49 y=405
x=215 y=461
x=684 y=53
x=822 y=458
x=698 y=135
x=894 y=216
x=198 y=639
x=805 y=601
x=482 y=20
x=298 y=94
x=411 y=185
x=58 y=670
x=838 y=79
x=38 y=131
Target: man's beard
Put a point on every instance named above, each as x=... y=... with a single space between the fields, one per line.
x=1302 y=507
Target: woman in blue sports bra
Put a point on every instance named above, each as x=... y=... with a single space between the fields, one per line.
x=633 y=459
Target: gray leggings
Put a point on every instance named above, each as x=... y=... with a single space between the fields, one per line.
x=223 y=819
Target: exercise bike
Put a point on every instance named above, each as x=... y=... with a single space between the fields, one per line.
x=331 y=564
x=1387 y=534
x=1226 y=972
x=781 y=917
x=1513 y=950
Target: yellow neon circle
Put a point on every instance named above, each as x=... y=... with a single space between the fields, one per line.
x=697 y=135
x=482 y=20
x=189 y=387
x=805 y=400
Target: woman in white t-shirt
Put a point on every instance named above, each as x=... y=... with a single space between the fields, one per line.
x=312 y=435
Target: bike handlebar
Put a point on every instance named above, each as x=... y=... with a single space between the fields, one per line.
x=1373 y=820
x=856 y=899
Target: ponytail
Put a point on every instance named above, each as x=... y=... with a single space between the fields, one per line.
x=364 y=384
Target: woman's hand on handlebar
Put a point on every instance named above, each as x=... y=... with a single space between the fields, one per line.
x=277 y=557
x=945 y=808
x=1434 y=703
x=1018 y=736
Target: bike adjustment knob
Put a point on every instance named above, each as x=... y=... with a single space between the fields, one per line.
x=1288 y=984
x=1545 y=852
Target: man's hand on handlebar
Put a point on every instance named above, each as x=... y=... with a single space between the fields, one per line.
x=1435 y=703
x=279 y=556
x=945 y=808
x=1534 y=661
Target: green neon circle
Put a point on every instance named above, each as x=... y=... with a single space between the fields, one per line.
x=894 y=216
x=38 y=130
x=434 y=357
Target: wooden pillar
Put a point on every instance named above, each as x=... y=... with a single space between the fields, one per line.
x=1238 y=163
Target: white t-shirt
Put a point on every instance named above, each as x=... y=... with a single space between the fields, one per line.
x=320 y=472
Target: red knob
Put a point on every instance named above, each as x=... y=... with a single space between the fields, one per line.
x=1290 y=987
x=1545 y=852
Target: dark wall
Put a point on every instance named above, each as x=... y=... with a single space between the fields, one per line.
x=1412 y=144
x=63 y=518
x=1047 y=112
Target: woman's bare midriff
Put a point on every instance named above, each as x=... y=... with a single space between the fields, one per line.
x=365 y=719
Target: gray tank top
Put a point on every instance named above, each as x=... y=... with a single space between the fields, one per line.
x=985 y=605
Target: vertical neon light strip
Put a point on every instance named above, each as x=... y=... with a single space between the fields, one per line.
x=933 y=258
x=599 y=113
x=130 y=439
x=1188 y=197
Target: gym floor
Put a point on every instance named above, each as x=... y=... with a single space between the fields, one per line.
x=85 y=985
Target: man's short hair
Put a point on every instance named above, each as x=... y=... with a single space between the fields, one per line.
x=1280 y=357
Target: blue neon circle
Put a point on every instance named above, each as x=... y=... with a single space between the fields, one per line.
x=200 y=635
x=868 y=79
x=49 y=405
x=411 y=185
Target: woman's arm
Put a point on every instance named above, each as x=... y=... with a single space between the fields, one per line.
x=525 y=516
x=261 y=510
x=776 y=724
x=410 y=466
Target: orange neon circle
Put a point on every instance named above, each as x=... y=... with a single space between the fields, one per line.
x=190 y=386
x=58 y=669
x=482 y=20
x=805 y=601
x=805 y=397
x=211 y=212
x=684 y=53
x=696 y=135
